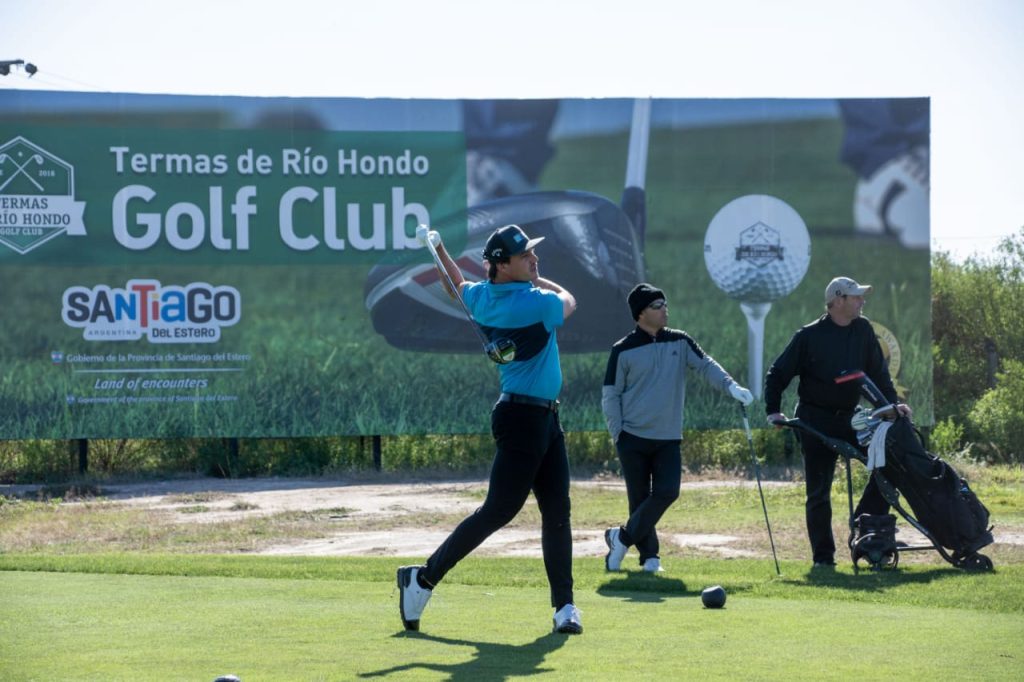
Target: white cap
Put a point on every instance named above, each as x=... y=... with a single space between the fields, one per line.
x=844 y=286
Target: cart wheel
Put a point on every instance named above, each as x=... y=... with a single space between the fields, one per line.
x=975 y=562
x=888 y=561
x=878 y=559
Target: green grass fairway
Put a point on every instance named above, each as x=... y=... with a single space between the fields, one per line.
x=118 y=617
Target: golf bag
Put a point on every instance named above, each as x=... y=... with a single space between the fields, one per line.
x=941 y=500
x=945 y=509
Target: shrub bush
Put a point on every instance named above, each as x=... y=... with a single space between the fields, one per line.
x=37 y=461
x=973 y=318
x=946 y=438
x=997 y=419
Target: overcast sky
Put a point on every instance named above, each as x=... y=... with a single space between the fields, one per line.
x=967 y=56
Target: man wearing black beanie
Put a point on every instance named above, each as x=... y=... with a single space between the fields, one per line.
x=641 y=296
x=642 y=399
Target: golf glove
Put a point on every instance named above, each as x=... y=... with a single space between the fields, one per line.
x=741 y=394
x=423 y=233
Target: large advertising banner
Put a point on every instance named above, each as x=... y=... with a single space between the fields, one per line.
x=225 y=266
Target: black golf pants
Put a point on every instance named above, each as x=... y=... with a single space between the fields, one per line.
x=819 y=472
x=530 y=456
x=652 y=469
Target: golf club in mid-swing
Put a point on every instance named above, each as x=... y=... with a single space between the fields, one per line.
x=757 y=474
x=502 y=350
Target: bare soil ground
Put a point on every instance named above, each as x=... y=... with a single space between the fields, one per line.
x=391 y=512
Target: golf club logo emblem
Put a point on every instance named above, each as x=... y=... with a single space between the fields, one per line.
x=37 y=196
x=893 y=356
x=760 y=245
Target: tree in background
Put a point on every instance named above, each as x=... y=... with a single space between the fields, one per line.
x=977 y=346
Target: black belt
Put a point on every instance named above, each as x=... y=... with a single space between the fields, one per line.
x=528 y=400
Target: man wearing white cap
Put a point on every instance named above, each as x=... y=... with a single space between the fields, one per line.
x=841 y=340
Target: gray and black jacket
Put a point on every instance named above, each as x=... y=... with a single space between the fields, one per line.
x=645 y=383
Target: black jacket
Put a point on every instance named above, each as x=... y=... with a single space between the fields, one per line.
x=818 y=353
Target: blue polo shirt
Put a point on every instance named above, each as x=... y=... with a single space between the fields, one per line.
x=529 y=316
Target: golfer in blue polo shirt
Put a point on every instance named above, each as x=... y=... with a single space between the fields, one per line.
x=514 y=303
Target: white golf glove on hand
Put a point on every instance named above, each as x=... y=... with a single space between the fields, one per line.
x=741 y=394
x=423 y=233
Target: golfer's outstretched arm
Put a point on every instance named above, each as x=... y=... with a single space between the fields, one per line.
x=568 y=300
x=453 y=271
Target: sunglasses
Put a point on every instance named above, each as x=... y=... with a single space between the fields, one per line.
x=658 y=305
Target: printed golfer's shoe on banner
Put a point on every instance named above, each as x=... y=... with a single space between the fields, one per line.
x=412 y=598
x=492 y=177
x=894 y=200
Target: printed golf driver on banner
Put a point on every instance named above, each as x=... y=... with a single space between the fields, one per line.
x=592 y=247
x=756 y=250
x=501 y=350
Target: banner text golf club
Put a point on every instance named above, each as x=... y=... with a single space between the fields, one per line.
x=139 y=221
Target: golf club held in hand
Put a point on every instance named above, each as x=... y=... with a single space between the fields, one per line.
x=503 y=350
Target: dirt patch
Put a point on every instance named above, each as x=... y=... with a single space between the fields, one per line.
x=241 y=500
x=218 y=500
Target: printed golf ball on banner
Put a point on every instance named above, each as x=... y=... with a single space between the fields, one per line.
x=757 y=249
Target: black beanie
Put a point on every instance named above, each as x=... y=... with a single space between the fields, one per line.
x=641 y=296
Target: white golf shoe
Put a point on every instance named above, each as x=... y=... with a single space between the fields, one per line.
x=567 y=620
x=412 y=598
x=653 y=565
x=616 y=550
x=492 y=177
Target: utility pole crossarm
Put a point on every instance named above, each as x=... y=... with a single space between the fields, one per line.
x=6 y=64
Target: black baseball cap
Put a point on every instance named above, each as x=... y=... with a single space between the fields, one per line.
x=508 y=241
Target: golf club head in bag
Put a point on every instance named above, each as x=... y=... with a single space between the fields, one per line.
x=590 y=248
x=864 y=424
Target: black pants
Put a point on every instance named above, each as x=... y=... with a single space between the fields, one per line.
x=819 y=472
x=652 y=469
x=530 y=456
